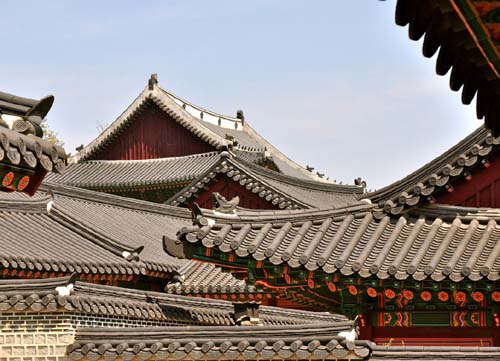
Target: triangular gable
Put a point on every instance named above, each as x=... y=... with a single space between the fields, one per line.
x=208 y=131
x=260 y=188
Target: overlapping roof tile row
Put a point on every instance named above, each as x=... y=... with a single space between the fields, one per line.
x=305 y=342
x=455 y=243
x=45 y=295
x=421 y=185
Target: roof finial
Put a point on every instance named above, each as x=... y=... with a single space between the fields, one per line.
x=247 y=313
x=153 y=81
x=222 y=205
x=241 y=116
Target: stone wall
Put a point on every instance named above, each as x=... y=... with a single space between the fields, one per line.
x=44 y=336
x=34 y=336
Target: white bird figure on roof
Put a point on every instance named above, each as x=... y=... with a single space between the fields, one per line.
x=353 y=334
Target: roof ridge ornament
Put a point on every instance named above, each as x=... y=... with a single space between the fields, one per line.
x=153 y=81
x=222 y=205
x=198 y=218
x=240 y=116
x=247 y=313
x=133 y=255
x=68 y=287
x=360 y=182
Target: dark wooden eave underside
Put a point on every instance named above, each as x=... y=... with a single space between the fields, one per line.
x=465 y=47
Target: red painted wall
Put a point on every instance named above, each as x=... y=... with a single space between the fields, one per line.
x=482 y=190
x=153 y=134
x=230 y=189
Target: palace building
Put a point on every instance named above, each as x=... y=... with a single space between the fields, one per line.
x=183 y=234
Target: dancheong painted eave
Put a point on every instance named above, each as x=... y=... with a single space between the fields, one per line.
x=465 y=35
x=219 y=131
x=451 y=243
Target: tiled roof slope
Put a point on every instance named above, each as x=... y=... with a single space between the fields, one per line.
x=465 y=33
x=126 y=223
x=304 y=342
x=40 y=295
x=34 y=241
x=74 y=230
x=65 y=229
x=206 y=278
x=232 y=132
x=436 y=175
x=21 y=142
x=455 y=244
x=119 y=174
x=434 y=353
x=285 y=191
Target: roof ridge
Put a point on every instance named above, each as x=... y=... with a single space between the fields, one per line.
x=19 y=286
x=26 y=205
x=152 y=160
x=204 y=110
x=116 y=201
x=65 y=217
x=286 y=215
x=313 y=184
x=449 y=212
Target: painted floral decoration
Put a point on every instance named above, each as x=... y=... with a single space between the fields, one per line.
x=426 y=296
x=372 y=292
x=477 y=296
x=408 y=294
x=460 y=296
x=443 y=296
x=353 y=290
x=390 y=294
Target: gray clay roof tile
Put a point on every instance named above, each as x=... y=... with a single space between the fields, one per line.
x=436 y=242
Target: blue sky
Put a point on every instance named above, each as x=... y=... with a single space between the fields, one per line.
x=333 y=84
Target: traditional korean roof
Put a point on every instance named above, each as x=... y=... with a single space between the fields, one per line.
x=112 y=175
x=67 y=229
x=434 y=353
x=204 y=279
x=435 y=243
x=422 y=185
x=466 y=33
x=279 y=189
x=217 y=130
x=64 y=229
x=66 y=294
x=25 y=156
x=304 y=342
